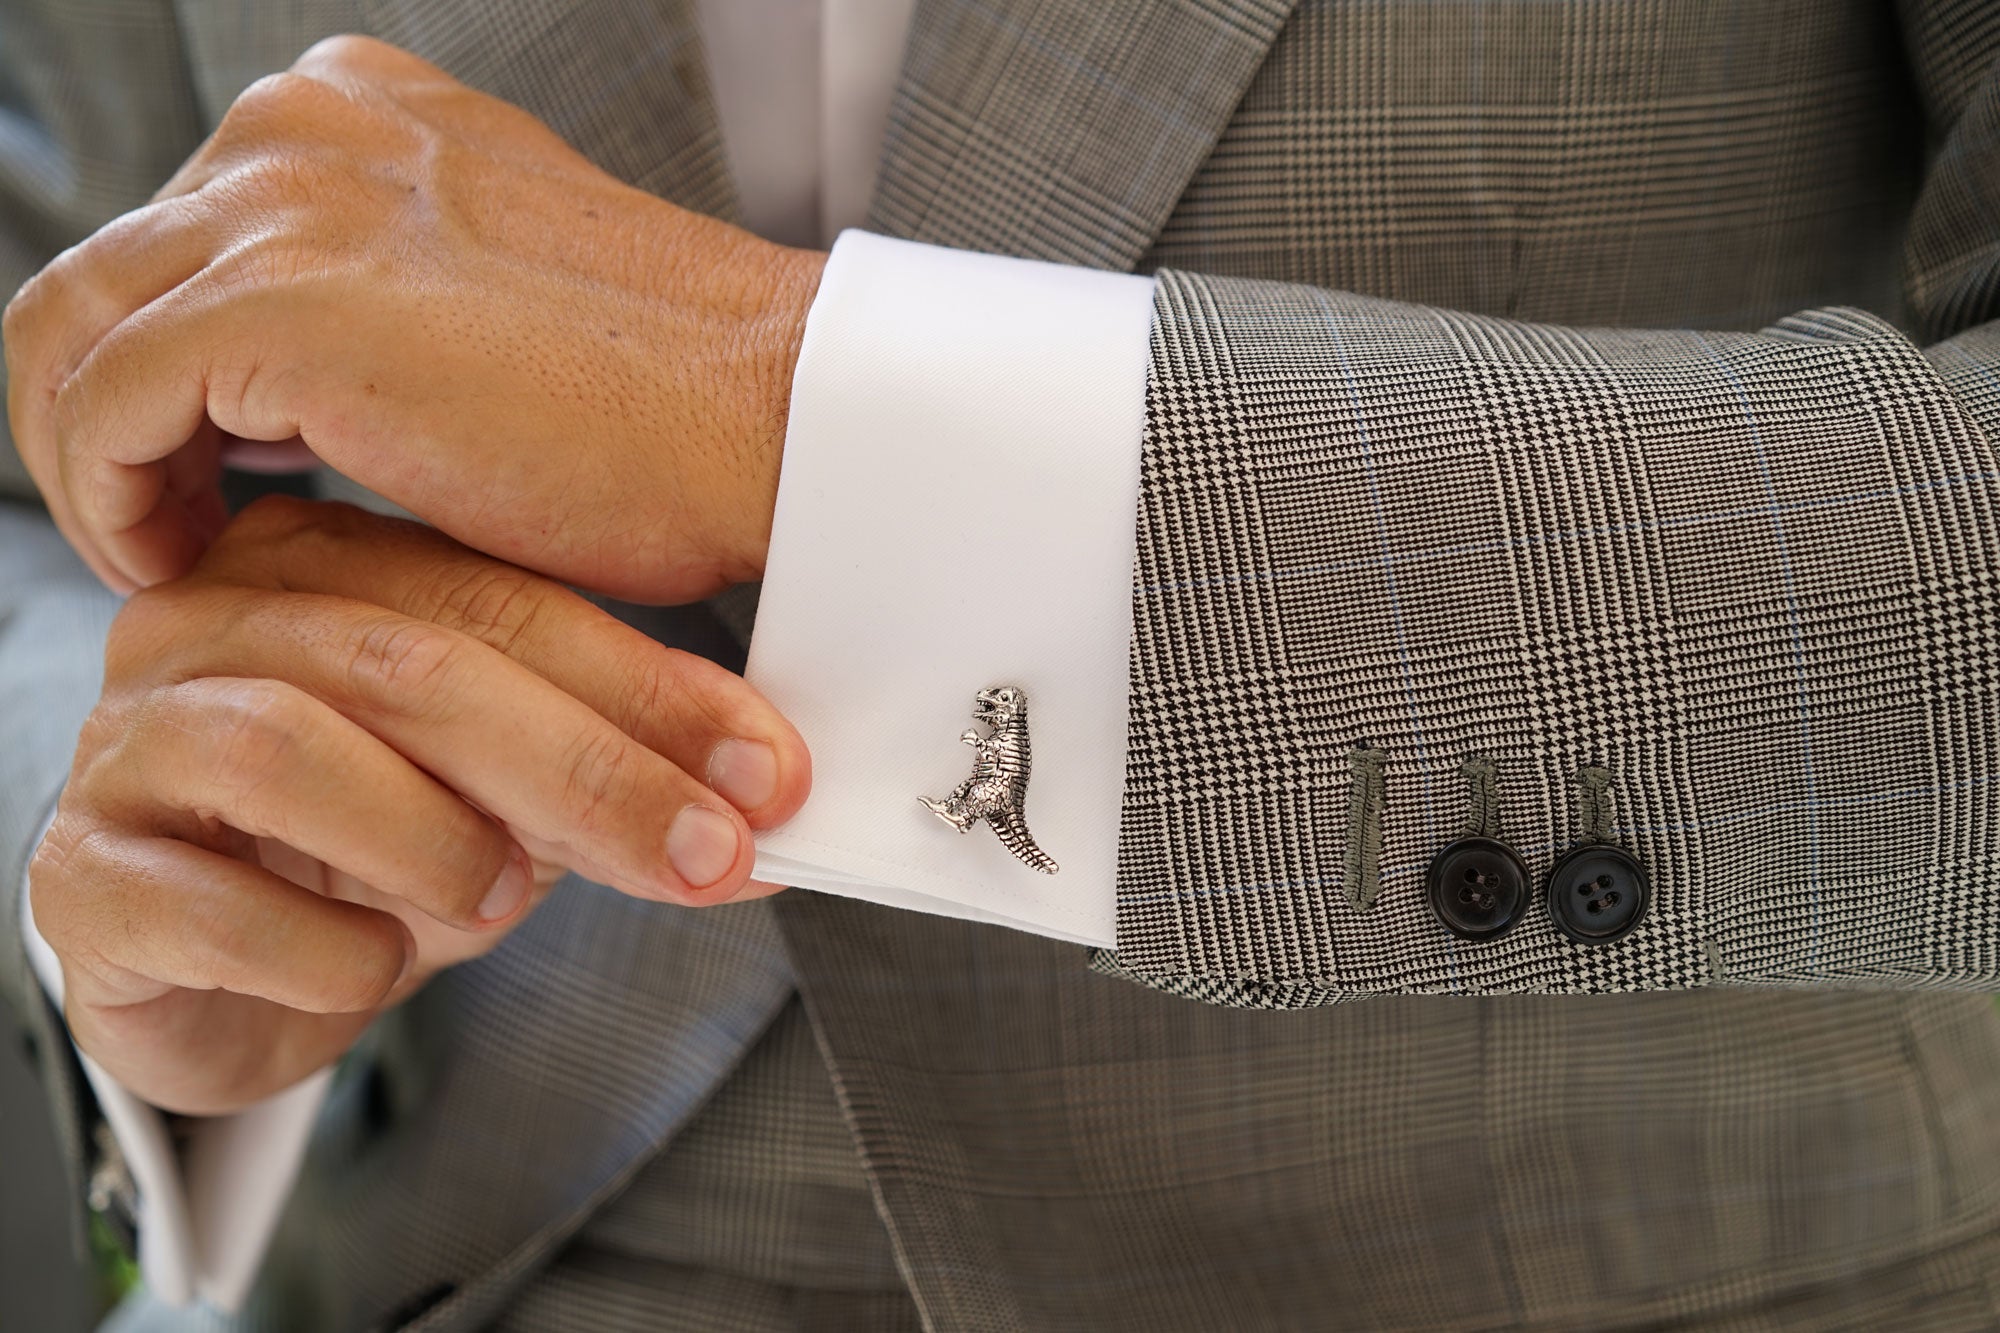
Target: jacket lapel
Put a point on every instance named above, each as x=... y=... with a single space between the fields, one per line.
x=625 y=83
x=1061 y=129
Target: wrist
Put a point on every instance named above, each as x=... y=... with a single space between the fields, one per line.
x=790 y=281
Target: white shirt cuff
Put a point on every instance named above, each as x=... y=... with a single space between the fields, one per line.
x=207 y=1210
x=956 y=511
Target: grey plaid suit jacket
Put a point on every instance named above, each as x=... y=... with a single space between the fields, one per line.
x=1601 y=386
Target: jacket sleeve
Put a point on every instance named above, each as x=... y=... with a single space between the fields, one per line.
x=1726 y=600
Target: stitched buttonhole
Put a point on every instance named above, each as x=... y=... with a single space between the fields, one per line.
x=1362 y=865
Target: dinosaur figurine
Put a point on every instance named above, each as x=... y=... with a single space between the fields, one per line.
x=997 y=791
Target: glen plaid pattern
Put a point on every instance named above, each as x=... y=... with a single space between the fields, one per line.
x=1062 y=130
x=1730 y=566
x=1747 y=572
x=758 y=1219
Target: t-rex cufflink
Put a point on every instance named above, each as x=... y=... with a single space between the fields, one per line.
x=997 y=791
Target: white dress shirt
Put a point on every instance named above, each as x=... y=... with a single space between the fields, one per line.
x=956 y=510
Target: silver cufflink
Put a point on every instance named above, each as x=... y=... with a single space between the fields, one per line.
x=997 y=791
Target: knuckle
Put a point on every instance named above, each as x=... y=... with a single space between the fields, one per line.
x=264 y=275
x=252 y=731
x=599 y=780
x=70 y=865
x=273 y=516
x=657 y=687
x=70 y=412
x=677 y=683
x=231 y=950
x=342 y=51
x=62 y=279
x=100 y=742
x=407 y=661
x=32 y=297
x=142 y=631
x=671 y=688
x=272 y=521
x=272 y=98
x=53 y=867
x=326 y=528
x=143 y=611
x=495 y=604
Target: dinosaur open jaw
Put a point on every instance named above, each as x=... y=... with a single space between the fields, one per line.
x=993 y=705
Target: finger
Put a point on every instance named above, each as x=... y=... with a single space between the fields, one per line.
x=60 y=316
x=83 y=293
x=187 y=514
x=438 y=945
x=144 y=392
x=136 y=915
x=271 y=761
x=503 y=737
x=194 y=480
x=708 y=720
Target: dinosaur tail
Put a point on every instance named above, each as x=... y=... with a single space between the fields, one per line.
x=1014 y=836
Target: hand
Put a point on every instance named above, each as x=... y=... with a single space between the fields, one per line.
x=428 y=289
x=344 y=753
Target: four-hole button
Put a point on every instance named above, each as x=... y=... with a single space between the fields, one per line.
x=1478 y=888
x=1598 y=893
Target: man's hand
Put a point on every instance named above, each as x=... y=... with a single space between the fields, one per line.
x=344 y=753
x=428 y=289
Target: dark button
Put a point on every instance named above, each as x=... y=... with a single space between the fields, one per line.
x=1598 y=893
x=1478 y=888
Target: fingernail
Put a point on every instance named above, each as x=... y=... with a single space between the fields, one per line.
x=509 y=891
x=701 y=845
x=745 y=773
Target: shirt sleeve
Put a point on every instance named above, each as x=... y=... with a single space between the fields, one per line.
x=956 y=512
x=209 y=1197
